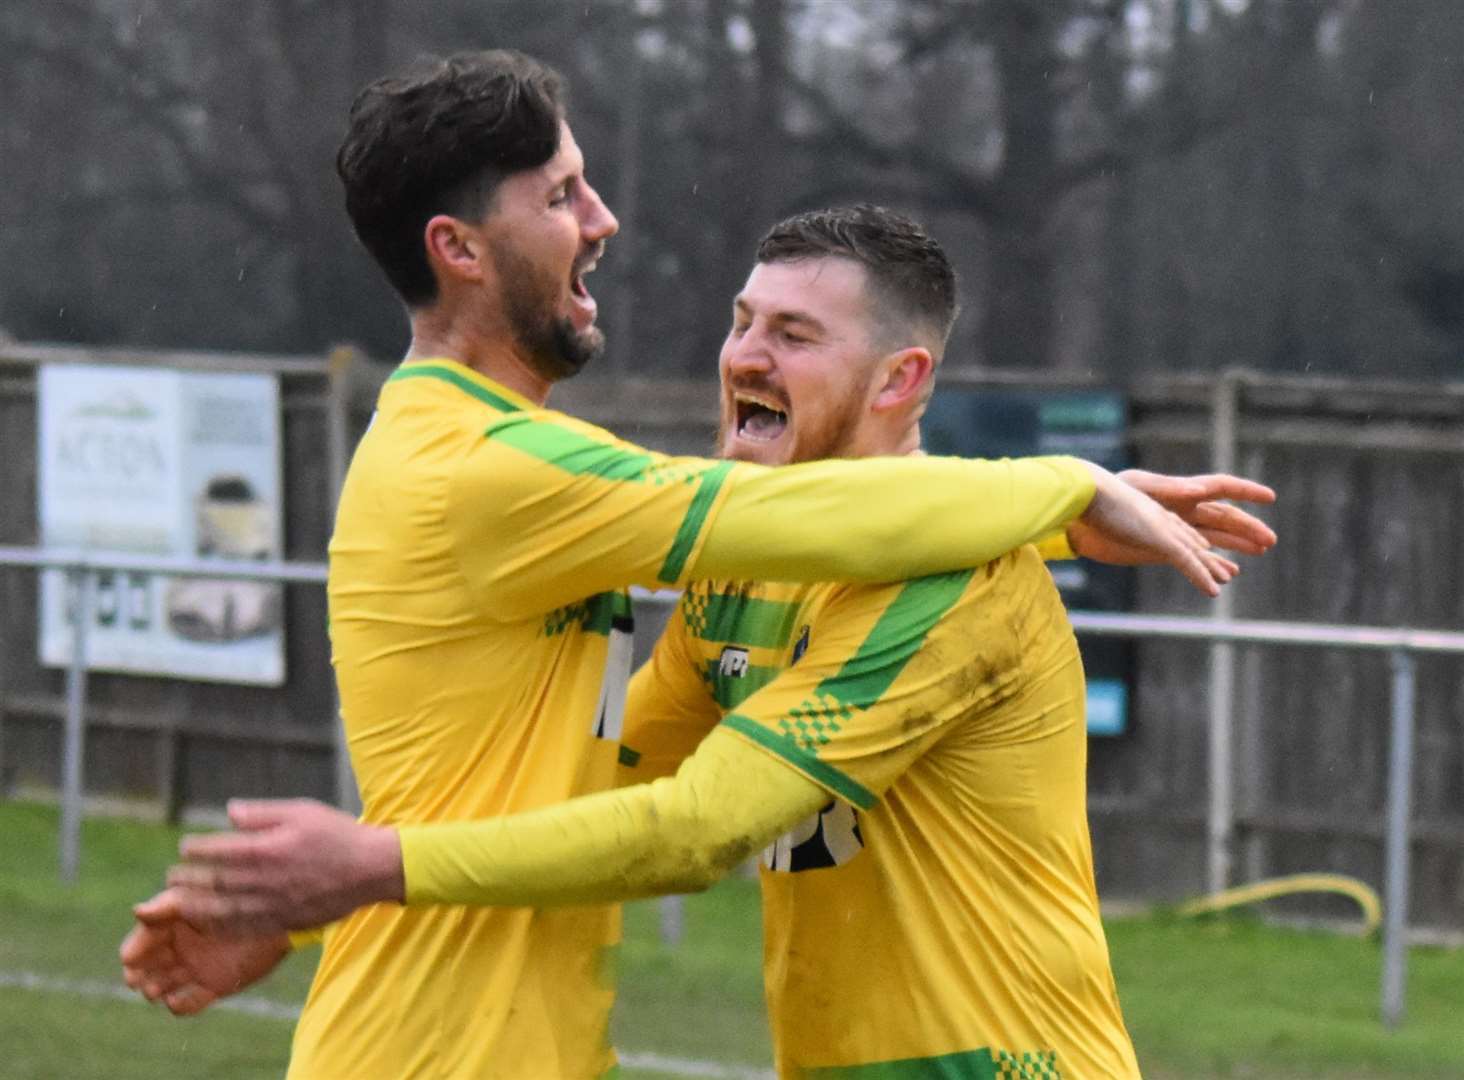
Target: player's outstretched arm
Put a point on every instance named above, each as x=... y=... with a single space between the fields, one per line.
x=172 y=963
x=886 y=519
x=624 y=516
x=298 y=863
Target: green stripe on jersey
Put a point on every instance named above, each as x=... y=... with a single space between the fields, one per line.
x=691 y=524
x=597 y=614
x=583 y=456
x=569 y=450
x=448 y=375
x=980 y=1064
x=805 y=761
x=896 y=637
x=731 y=691
x=603 y=609
x=747 y=620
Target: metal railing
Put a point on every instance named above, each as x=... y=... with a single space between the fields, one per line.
x=1400 y=644
x=81 y=569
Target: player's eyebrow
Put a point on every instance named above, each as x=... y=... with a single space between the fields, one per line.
x=782 y=316
x=569 y=169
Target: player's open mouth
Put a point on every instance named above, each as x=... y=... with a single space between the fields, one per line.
x=759 y=419
x=577 y=282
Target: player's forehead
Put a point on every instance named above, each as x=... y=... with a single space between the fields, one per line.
x=567 y=161
x=830 y=289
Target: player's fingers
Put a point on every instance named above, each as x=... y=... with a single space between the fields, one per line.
x=1221 y=568
x=1164 y=489
x=144 y=949
x=148 y=958
x=253 y=814
x=152 y=988
x=238 y=849
x=1232 y=519
x=1186 y=559
x=1187 y=533
x=1225 y=486
x=230 y=915
x=157 y=981
x=1241 y=545
x=187 y=1000
x=214 y=878
x=157 y=911
x=135 y=946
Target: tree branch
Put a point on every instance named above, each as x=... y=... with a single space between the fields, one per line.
x=976 y=194
x=154 y=104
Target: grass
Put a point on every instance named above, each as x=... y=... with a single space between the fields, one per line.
x=667 y=995
x=1205 y=1000
x=1233 y=997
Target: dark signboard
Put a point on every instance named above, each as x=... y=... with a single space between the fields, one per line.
x=1091 y=424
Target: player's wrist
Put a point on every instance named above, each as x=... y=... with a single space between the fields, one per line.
x=380 y=860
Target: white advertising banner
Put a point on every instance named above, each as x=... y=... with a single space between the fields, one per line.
x=172 y=463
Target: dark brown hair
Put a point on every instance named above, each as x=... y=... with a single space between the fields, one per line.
x=439 y=139
x=911 y=279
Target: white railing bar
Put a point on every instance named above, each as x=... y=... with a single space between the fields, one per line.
x=1183 y=627
x=1261 y=631
x=237 y=569
x=1253 y=631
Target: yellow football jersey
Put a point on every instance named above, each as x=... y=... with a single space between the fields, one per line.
x=446 y=679
x=938 y=918
x=479 y=631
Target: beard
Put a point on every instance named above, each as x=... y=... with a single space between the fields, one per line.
x=553 y=346
x=816 y=432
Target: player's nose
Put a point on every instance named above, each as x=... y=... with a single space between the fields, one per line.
x=748 y=354
x=597 y=223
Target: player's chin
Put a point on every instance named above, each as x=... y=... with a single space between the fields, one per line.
x=757 y=451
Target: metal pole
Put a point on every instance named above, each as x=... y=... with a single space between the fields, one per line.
x=73 y=749
x=1250 y=744
x=1221 y=819
x=1400 y=797
x=338 y=448
x=673 y=920
x=337 y=418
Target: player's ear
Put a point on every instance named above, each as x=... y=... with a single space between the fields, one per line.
x=902 y=377
x=454 y=248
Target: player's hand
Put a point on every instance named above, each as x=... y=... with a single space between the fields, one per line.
x=172 y=963
x=1193 y=499
x=293 y=864
x=1125 y=525
x=1196 y=500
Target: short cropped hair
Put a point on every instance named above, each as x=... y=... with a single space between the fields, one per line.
x=912 y=281
x=439 y=139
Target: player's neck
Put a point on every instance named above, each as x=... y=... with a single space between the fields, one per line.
x=493 y=355
x=895 y=442
x=909 y=442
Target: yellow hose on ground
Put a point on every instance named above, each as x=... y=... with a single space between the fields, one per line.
x=1367 y=899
